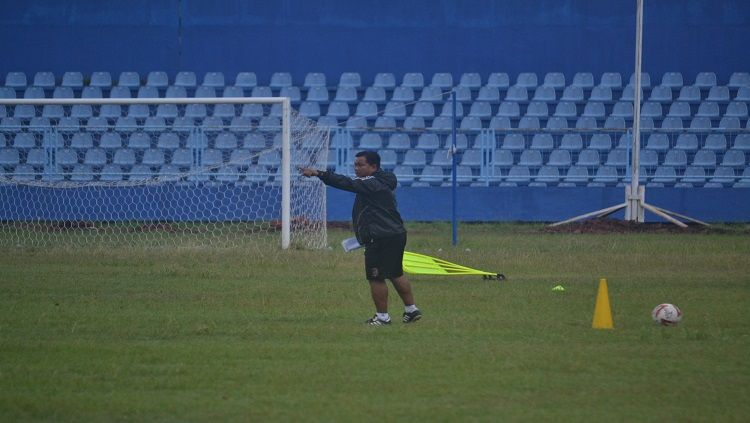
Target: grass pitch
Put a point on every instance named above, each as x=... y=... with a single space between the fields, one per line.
x=220 y=335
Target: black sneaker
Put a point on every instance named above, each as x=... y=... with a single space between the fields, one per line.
x=412 y=317
x=374 y=321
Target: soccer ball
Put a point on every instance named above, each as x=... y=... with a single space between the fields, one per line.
x=666 y=314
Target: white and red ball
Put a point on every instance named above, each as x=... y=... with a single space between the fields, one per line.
x=666 y=314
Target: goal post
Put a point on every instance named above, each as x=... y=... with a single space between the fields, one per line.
x=218 y=168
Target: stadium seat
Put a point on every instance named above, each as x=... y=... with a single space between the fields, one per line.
x=371 y=141
x=708 y=109
x=566 y=109
x=280 y=80
x=346 y=94
x=606 y=175
x=499 y=80
x=175 y=92
x=168 y=141
x=576 y=176
x=234 y=91
x=613 y=80
x=687 y=142
x=158 y=79
x=432 y=175
x=628 y=94
x=658 y=142
x=676 y=158
x=310 y=109
x=422 y=109
x=314 y=79
x=679 y=109
x=527 y=80
x=517 y=94
x=120 y=92
x=719 y=94
x=44 y=79
x=34 y=93
x=695 y=175
x=376 y=95
x=148 y=92
x=7 y=92
x=72 y=80
x=743 y=94
x=24 y=140
x=36 y=157
x=519 y=174
x=733 y=158
x=614 y=122
x=651 y=109
x=138 y=111
x=246 y=80
x=529 y=122
x=139 y=140
x=545 y=94
x=403 y=94
x=557 y=123
x=24 y=111
x=531 y=158
x=434 y=95
x=559 y=159
x=399 y=142
x=502 y=159
x=131 y=80
x=739 y=79
x=704 y=158
x=572 y=142
x=388 y=158
x=414 y=123
x=537 y=109
x=509 y=109
x=594 y=109
x=241 y=124
x=645 y=80
x=588 y=158
x=617 y=158
x=500 y=123
x=623 y=109
x=350 y=79
x=489 y=94
x=572 y=94
x=66 y=157
x=101 y=80
x=600 y=142
x=205 y=91
x=736 y=109
x=318 y=94
x=742 y=142
x=395 y=109
x=226 y=111
x=185 y=79
x=601 y=94
x=555 y=80
x=705 y=80
x=690 y=94
x=665 y=175
x=584 y=80
x=672 y=80
x=429 y=142
x=404 y=174
x=482 y=109
x=338 y=110
x=385 y=80
x=447 y=110
x=724 y=176
x=729 y=123
x=471 y=158
x=470 y=80
x=415 y=158
x=225 y=141
x=213 y=80
x=672 y=122
x=700 y=123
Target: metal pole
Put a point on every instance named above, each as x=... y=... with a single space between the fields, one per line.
x=634 y=209
x=286 y=172
x=454 y=190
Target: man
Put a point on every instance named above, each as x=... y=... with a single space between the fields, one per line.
x=378 y=226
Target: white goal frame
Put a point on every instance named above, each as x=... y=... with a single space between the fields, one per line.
x=285 y=133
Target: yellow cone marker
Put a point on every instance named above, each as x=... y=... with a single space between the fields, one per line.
x=602 y=311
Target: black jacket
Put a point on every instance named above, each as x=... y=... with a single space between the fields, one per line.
x=374 y=214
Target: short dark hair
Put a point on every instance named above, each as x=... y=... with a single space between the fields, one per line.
x=371 y=157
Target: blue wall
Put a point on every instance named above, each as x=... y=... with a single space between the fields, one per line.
x=335 y=36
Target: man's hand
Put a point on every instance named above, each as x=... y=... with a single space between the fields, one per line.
x=308 y=172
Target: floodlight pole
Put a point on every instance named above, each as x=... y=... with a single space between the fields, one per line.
x=635 y=194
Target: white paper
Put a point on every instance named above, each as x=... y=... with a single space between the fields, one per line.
x=350 y=244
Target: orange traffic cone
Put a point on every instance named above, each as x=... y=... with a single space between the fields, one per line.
x=602 y=310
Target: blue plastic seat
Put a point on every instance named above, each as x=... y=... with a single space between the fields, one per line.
x=24 y=140
x=687 y=142
x=280 y=80
x=101 y=80
x=168 y=141
x=527 y=80
x=665 y=175
x=120 y=92
x=742 y=142
x=471 y=80
x=442 y=80
x=606 y=175
x=676 y=158
x=519 y=174
x=36 y=157
x=376 y=95
x=503 y=159
x=350 y=79
x=529 y=122
x=500 y=123
x=399 y=142
x=471 y=158
x=315 y=79
x=238 y=92
x=213 y=80
x=447 y=110
x=537 y=109
x=509 y=109
x=186 y=79
x=513 y=142
x=385 y=80
x=705 y=80
x=432 y=175
x=416 y=158
x=66 y=157
x=413 y=80
x=33 y=93
x=403 y=94
x=651 y=109
x=148 y=92
x=404 y=174
x=310 y=109
x=672 y=122
x=672 y=80
x=205 y=91
x=649 y=158
x=395 y=109
x=531 y=158
x=704 y=158
x=82 y=141
x=130 y=80
x=72 y=80
x=338 y=110
x=138 y=111
x=241 y=124
x=224 y=111
x=557 y=123
x=153 y=157
x=555 y=80
x=736 y=109
x=246 y=80
x=724 y=176
x=594 y=109
x=110 y=140
x=44 y=80
x=545 y=94
x=517 y=94
x=414 y=123
x=346 y=94
x=690 y=94
x=743 y=94
x=499 y=80
x=719 y=94
x=215 y=124
x=182 y=157
x=588 y=158
x=559 y=159
x=734 y=158
x=482 y=109
x=739 y=79
x=429 y=142
x=623 y=109
x=617 y=158
x=7 y=92
x=371 y=141
x=658 y=142
x=566 y=109
x=388 y=158
x=601 y=94
x=729 y=122
x=9 y=157
x=583 y=80
x=679 y=109
x=694 y=175
x=175 y=92
x=612 y=80
x=158 y=79
x=600 y=142
x=139 y=140
x=645 y=80
x=572 y=142
x=572 y=94
x=24 y=111
x=708 y=109
x=423 y=109
x=614 y=122
x=433 y=94
x=489 y=94
x=226 y=141
x=68 y=125
x=700 y=123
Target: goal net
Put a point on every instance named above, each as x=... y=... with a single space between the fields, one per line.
x=160 y=172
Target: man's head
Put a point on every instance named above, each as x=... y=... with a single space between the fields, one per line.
x=366 y=163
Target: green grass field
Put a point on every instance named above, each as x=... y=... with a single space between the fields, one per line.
x=220 y=335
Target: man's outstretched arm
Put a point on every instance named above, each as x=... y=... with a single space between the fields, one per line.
x=356 y=185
